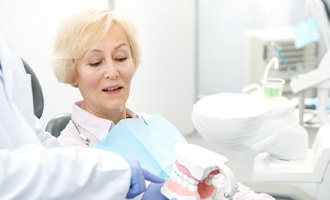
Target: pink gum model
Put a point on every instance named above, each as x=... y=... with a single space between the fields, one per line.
x=193 y=174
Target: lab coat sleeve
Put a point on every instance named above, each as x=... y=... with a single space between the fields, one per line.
x=46 y=138
x=36 y=172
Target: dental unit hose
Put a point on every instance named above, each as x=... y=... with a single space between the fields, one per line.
x=285 y=62
x=273 y=61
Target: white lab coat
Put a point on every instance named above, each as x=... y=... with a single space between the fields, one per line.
x=29 y=170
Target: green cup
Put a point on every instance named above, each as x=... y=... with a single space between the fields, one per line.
x=273 y=88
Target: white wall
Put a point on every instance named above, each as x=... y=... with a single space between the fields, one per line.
x=221 y=30
x=165 y=80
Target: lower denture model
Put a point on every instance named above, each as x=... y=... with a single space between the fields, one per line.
x=193 y=174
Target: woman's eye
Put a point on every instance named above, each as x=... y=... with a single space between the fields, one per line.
x=95 y=64
x=121 y=59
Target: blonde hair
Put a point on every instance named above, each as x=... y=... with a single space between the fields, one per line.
x=82 y=32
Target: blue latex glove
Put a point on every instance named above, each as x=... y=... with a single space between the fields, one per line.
x=152 y=177
x=153 y=192
x=138 y=178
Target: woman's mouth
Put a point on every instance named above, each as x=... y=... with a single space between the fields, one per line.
x=112 y=89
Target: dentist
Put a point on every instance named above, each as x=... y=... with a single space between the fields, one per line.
x=33 y=166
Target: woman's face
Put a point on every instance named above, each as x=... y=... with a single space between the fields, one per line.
x=104 y=74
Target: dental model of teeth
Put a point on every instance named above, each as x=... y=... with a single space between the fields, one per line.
x=193 y=174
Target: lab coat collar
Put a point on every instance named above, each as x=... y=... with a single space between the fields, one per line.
x=18 y=92
x=10 y=63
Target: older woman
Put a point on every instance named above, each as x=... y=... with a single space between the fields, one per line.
x=97 y=52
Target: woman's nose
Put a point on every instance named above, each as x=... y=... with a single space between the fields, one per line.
x=111 y=71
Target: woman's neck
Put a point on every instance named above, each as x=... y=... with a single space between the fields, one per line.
x=114 y=115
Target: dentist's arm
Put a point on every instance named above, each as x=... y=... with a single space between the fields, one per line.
x=35 y=172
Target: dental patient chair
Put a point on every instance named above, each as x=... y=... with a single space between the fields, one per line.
x=38 y=98
x=58 y=123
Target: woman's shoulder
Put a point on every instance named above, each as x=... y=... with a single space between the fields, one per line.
x=70 y=137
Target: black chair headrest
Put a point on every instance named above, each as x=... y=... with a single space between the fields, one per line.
x=38 y=97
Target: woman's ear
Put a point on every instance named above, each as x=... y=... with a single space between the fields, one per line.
x=74 y=83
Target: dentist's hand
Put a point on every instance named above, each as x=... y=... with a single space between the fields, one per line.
x=152 y=177
x=153 y=192
x=138 y=178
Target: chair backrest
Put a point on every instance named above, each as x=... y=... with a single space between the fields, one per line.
x=58 y=123
x=38 y=97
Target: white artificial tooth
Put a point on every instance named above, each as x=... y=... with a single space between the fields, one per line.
x=210 y=176
x=180 y=173
x=176 y=172
x=174 y=177
x=185 y=177
x=193 y=181
x=179 y=180
x=185 y=183
x=192 y=188
x=208 y=181
x=175 y=168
